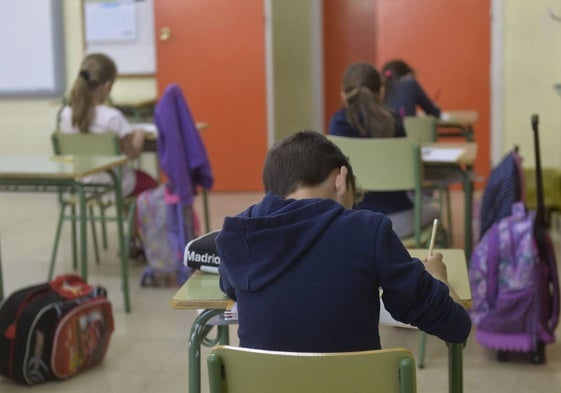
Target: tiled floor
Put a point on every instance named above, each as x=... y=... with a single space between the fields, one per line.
x=148 y=351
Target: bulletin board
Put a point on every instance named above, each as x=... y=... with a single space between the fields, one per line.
x=32 y=48
x=123 y=30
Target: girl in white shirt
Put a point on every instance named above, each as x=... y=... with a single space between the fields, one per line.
x=87 y=113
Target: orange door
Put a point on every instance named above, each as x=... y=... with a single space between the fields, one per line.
x=216 y=53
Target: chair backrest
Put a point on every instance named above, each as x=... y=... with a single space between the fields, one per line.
x=86 y=144
x=237 y=370
x=387 y=164
x=422 y=128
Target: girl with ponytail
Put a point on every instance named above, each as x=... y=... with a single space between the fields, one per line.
x=364 y=115
x=86 y=112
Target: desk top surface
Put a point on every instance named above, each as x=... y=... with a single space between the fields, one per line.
x=55 y=167
x=201 y=290
x=458 y=117
x=466 y=153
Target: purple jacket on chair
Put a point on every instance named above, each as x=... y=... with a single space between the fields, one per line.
x=181 y=151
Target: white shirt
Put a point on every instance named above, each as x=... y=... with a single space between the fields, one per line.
x=106 y=119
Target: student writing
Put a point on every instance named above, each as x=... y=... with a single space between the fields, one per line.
x=306 y=270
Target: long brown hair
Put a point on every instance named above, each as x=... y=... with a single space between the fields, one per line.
x=361 y=88
x=95 y=70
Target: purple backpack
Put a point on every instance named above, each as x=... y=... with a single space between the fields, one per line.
x=515 y=294
x=165 y=226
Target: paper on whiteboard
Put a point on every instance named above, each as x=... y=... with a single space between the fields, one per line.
x=110 y=22
x=441 y=154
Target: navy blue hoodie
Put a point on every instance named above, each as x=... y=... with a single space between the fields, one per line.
x=306 y=275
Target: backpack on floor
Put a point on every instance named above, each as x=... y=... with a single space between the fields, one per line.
x=53 y=330
x=165 y=227
x=515 y=296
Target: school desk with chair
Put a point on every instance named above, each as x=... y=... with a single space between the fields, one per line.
x=457 y=123
x=202 y=291
x=45 y=173
x=458 y=157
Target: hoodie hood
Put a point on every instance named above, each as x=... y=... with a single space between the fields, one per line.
x=263 y=242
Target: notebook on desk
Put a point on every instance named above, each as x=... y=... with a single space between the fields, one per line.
x=441 y=154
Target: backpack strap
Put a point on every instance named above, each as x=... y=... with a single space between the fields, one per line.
x=553 y=278
x=493 y=263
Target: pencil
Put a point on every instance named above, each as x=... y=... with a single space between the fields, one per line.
x=433 y=236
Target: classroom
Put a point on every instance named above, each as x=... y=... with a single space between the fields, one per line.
x=256 y=71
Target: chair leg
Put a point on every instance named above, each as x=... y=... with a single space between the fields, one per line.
x=73 y=218
x=94 y=234
x=103 y=226
x=57 y=239
x=422 y=345
x=449 y=216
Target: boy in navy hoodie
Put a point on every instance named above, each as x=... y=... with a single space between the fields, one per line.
x=306 y=270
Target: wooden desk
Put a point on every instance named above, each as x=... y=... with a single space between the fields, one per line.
x=151 y=140
x=461 y=121
x=463 y=165
x=44 y=173
x=202 y=290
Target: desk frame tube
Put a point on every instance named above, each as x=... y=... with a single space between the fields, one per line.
x=199 y=330
x=79 y=189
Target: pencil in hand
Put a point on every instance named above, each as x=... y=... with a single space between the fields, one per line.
x=433 y=237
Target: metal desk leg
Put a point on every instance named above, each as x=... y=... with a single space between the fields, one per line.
x=123 y=246
x=455 y=368
x=468 y=198
x=83 y=218
x=199 y=330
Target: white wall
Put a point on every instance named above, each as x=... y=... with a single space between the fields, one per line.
x=532 y=64
x=26 y=124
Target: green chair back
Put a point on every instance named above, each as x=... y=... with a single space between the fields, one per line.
x=388 y=164
x=87 y=144
x=237 y=370
x=421 y=128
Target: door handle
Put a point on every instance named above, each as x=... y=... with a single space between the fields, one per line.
x=164 y=34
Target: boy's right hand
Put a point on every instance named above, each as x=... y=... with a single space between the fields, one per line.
x=436 y=267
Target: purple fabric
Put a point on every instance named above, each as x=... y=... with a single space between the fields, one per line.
x=504 y=187
x=181 y=151
x=515 y=298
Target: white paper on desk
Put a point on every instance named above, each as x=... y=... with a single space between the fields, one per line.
x=148 y=127
x=441 y=154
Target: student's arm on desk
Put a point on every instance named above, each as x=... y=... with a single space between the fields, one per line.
x=132 y=143
x=437 y=269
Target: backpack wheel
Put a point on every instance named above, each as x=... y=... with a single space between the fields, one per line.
x=538 y=355
x=502 y=356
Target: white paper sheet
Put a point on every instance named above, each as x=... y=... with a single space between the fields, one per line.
x=441 y=154
x=110 y=22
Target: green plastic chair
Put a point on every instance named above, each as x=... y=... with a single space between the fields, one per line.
x=106 y=144
x=424 y=130
x=242 y=370
x=551 y=190
x=389 y=164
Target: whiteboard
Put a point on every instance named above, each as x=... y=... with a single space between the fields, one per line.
x=123 y=30
x=32 y=48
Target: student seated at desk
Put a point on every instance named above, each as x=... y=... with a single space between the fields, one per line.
x=306 y=270
x=363 y=115
x=403 y=93
x=86 y=112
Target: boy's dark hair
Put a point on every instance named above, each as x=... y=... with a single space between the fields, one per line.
x=306 y=158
